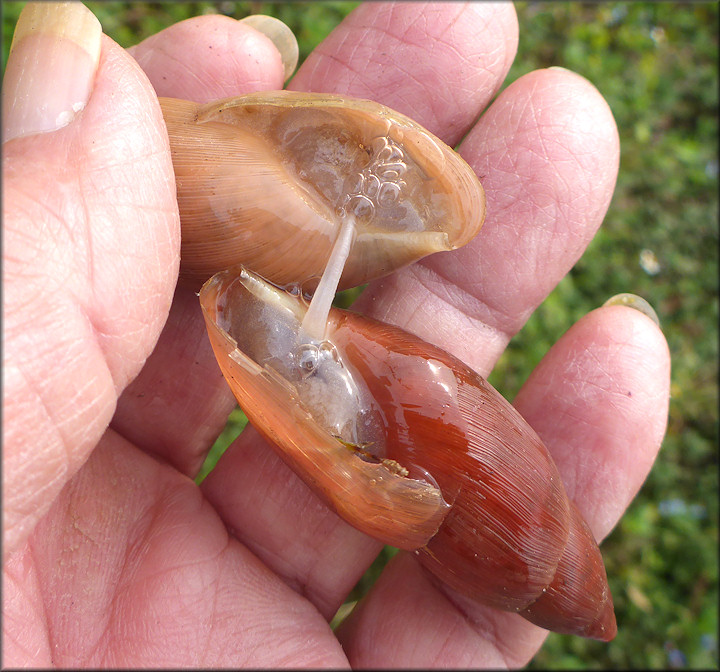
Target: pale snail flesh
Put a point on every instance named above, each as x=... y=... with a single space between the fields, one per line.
x=412 y=447
x=266 y=179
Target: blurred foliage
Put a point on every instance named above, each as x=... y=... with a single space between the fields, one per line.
x=656 y=64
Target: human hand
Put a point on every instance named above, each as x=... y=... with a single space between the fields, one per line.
x=127 y=562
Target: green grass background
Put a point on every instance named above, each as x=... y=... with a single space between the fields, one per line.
x=656 y=64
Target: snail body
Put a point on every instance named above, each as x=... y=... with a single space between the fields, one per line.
x=411 y=446
x=265 y=179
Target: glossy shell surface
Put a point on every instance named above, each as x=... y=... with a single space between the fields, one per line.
x=433 y=459
x=264 y=180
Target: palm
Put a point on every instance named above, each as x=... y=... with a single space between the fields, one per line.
x=133 y=565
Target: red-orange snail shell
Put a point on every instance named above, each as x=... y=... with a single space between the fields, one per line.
x=411 y=446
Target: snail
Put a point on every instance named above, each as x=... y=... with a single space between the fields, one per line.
x=400 y=438
x=409 y=445
x=267 y=179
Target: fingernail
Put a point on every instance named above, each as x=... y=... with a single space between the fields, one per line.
x=51 y=67
x=282 y=37
x=633 y=301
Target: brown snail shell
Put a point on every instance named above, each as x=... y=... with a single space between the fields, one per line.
x=411 y=446
x=263 y=180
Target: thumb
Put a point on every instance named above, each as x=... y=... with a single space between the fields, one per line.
x=54 y=57
x=90 y=247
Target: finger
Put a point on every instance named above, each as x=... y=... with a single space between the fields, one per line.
x=179 y=416
x=209 y=57
x=405 y=621
x=179 y=403
x=90 y=260
x=547 y=153
x=439 y=63
x=607 y=382
x=599 y=400
x=132 y=569
x=264 y=504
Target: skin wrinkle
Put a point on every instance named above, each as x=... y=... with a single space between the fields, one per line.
x=485 y=629
x=186 y=72
x=212 y=80
x=89 y=263
x=454 y=298
x=171 y=591
x=420 y=82
x=418 y=309
x=234 y=48
x=247 y=83
x=458 y=93
x=489 y=317
x=568 y=415
x=357 y=75
x=47 y=622
x=99 y=351
x=346 y=68
x=9 y=585
x=41 y=405
x=28 y=654
x=77 y=394
x=328 y=601
x=530 y=109
x=254 y=649
x=572 y=165
x=488 y=629
x=29 y=301
x=350 y=43
x=138 y=530
x=213 y=613
x=24 y=215
x=117 y=611
x=566 y=214
x=111 y=339
x=459 y=298
x=149 y=158
x=54 y=641
x=266 y=551
x=19 y=333
x=197 y=42
x=423 y=305
x=109 y=330
x=480 y=621
x=302 y=581
x=570 y=469
x=560 y=179
x=400 y=44
x=584 y=147
x=446 y=650
x=25 y=525
x=389 y=35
